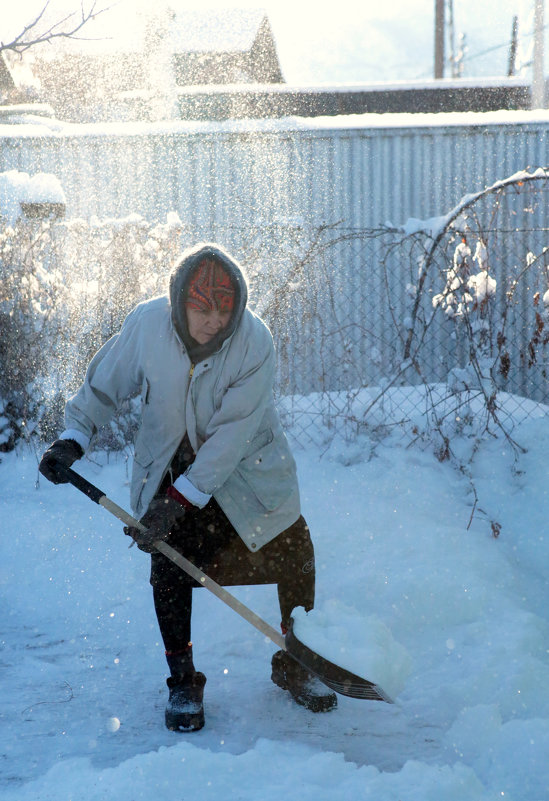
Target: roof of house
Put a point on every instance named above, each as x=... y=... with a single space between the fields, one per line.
x=216 y=30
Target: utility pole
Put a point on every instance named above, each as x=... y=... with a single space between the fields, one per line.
x=452 y=38
x=538 y=78
x=512 y=66
x=439 y=38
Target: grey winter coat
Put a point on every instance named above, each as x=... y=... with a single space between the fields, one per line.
x=224 y=403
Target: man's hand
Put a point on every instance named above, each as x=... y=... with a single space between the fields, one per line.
x=62 y=451
x=161 y=517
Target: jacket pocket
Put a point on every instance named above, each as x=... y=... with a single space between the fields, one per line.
x=257 y=443
x=269 y=470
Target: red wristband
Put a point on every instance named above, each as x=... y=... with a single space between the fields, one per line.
x=171 y=492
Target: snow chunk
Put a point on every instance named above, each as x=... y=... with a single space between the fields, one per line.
x=44 y=187
x=432 y=227
x=483 y=286
x=18 y=187
x=461 y=379
x=363 y=645
x=173 y=220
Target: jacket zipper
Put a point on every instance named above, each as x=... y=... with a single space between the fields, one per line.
x=169 y=470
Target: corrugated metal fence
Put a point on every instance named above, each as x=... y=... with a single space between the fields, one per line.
x=362 y=170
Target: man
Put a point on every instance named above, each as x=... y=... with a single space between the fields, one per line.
x=212 y=474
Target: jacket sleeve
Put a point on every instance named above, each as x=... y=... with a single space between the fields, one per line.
x=234 y=425
x=112 y=375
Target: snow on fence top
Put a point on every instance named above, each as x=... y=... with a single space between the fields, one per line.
x=38 y=127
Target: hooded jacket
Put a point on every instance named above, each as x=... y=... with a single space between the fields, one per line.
x=219 y=394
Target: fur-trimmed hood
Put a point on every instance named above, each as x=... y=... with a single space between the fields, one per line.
x=178 y=290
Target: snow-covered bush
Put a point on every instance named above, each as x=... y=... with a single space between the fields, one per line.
x=466 y=292
x=466 y=300
x=65 y=288
x=32 y=295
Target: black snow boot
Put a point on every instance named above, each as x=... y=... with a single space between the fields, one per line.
x=303 y=686
x=185 y=708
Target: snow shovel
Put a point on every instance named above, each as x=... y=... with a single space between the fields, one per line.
x=335 y=677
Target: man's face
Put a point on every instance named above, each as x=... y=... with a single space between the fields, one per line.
x=204 y=325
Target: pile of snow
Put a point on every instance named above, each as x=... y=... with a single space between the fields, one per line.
x=361 y=644
x=412 y=589
x=19 y=187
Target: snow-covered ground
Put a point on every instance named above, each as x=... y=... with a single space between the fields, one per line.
x=457 y=620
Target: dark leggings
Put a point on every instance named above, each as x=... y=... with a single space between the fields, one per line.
x=208 y=540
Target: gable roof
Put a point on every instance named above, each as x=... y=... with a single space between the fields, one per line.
x=216 y=30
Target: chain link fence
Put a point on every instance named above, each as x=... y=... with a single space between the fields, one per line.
x=437 y=325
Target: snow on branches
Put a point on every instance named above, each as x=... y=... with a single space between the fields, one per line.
x=465 y=292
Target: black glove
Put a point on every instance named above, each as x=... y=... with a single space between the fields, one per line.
x=163 y=515
x=62 y=451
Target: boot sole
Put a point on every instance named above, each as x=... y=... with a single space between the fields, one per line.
x=314 y=703
x=193 y=721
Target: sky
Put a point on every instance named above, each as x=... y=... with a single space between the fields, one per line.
x=348 y=41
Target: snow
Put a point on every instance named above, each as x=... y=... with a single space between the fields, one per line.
x=482 y=285
x=46 y=128
x=434 y=226
x=412 y=590
x=361 y=644
x=19 y=187
x=44 y=188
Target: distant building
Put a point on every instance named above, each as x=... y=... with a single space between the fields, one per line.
x=224 y=47
x=83 y=87
x=249 y=102
x=7 y=84
x=213 y=47
x=18 y=87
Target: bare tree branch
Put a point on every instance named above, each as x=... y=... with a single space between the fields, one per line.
x=66 y=28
